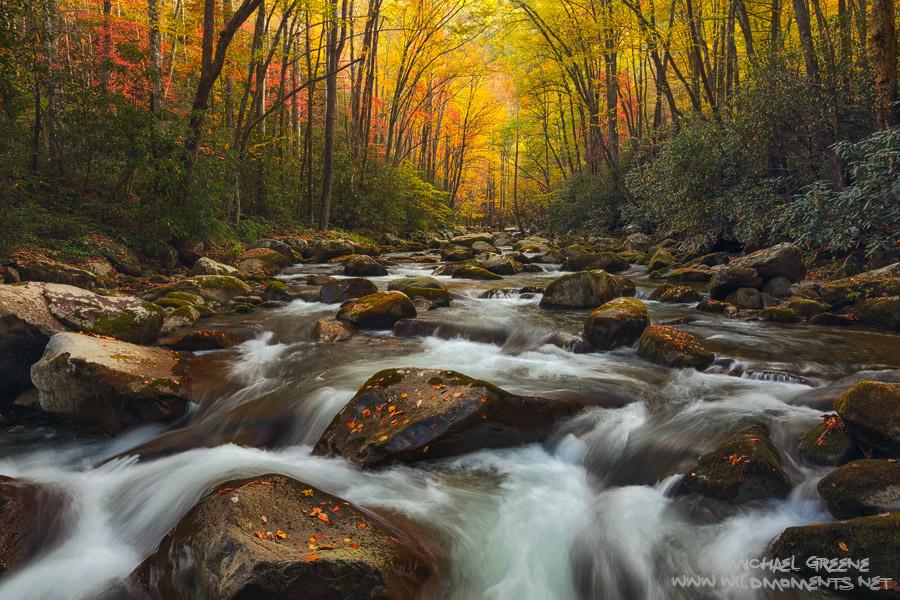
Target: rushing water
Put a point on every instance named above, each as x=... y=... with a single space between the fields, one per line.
x=585 y=515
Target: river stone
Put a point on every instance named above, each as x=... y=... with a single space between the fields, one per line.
x=425 y=287
x=53 y=272
x=342 y=290
x=782 y=259
x=282 y=247
x=185 y=316
x=674 y=293
x=470 y=238
x=871 y=284
x=503 y=265
x=207 y=266
x=639 y=242
x=325 y=250
x=606 y=244
x=672 y=347
x=377 y=311
x=30 y=520
x=550 y=257
x=360 y=265
x=222 y=549
x=871 y=413
x=208 y=339
x=661 y=259
x=107 y=384
x=574 y=250
x=212 y=288
x=618 y=322
x=779 y=286
x=263 y=261
x=731 y=278
x=327 y=331
x=807 y=308
x=408 y=415
x=160 y=251
x=779 y=314
x=480 y=246
x=689 y=275
x=862 y=488
x=606 y=261
x=744 y=468
x=122 y=317
x=713 y=306
x=473 y=272
x=828 y=447
x=457 y=253
x=831 y=320
x=877 y=313
x=122 y=257
x=873 y=539
x=584 y=289
x=745 y=298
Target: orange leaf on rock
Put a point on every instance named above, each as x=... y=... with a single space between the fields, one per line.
x=310 y=558
x=280 y=534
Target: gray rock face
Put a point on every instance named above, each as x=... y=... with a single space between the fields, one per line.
x=782 y=259
x=212 y=288
x=584 y=289
x=207 y=266
x=122 y=317
x=52 y=272
x=731 y=278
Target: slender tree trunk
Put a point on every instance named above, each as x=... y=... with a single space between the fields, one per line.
x=155 y=40
x=884 y=62
x=337 y=35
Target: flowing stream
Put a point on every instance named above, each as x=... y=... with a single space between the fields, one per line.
x=584 y=515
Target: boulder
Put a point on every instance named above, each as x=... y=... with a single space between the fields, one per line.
x=360 y=265
x=807 y=308
x=783 y=259
x=185 y=316
x=278 y=291
x=503 y=265
x=672 y=347
x=862 y=488
x=53 y=272
x=122 y=317
x=877 y=313
x=745 y=298
x=606 y=261
x=457 y=253
x=327 y=331
x=746 y=467
x=208 y=339
x=450 y=269
x=731 y=278
x=710 y=260
x=342 y=290
x=574 y=250
x=871 y=413
x=282 y=247
x=675 y=293
x=473 y=272
x=584 y=289
x=263 y=261
x=408 y=415
x=324 y=250
x=297 y=244
x=107 y=384
x=779 y=314
x=212 y=288
x=31 y=519
x=661 y=259
x=779 y=286
x=161 y=252
x=689 y=275
x=871 y=284
x=713 y=306
x=828 y=445
x=271 y=536
x=207 y=266
x=619 y=322
x=122 y=257
x=639 y=242
x=377 y=311
x=606 y=244
x=480 y=246
x=470 y=238
x=550 y=257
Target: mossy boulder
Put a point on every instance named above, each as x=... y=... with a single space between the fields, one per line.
x=207 y=266
x=212 y=288
x=745 y=298
x=673 y=347
x=185 y=316
x=713 y=306
x=710 y=260
x=473 y=272
x=47 y=271
x=360 y=265
x=341 y=290
x=806 y=308
x=871 y=413
x=618 y=322
x=828 y=447
x=862 y=488
x=208 y=339
x=122 y=317
x=640 y=242
x=325 y=249
x=782 y=259
x=731 y=278
x=469 y=239
x=503 y=265
x=779 y=314
x=262 y=261
x=270 y=536
x=877 y=313
x=278 y=291
x=31 y=519
x=873 y=539
x=403 y=283
x=161 y=252
x=689 y=275
x=377 y=311
x=871 y=284
x=327 y=331
x=123 y=258
x=584 y=289
x=574 y=250
x=675 y=293
x=661 y=259
x=409 y=415
x=550 y=257
x=831 y=320
x=282 y=247
x=606 y=261
x=745 y=467
x=186 y=297
x=107 y=384
x=457 y=253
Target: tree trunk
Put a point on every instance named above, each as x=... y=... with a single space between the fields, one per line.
x=337 y=35
x=156 y=92
x=804 y=28
x=884 y=62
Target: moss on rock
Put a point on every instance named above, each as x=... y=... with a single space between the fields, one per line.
x=673 y=347
x=619 y=322
x=871 y=413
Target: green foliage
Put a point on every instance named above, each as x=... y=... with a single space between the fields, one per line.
x=864 y=214
x=586 y=202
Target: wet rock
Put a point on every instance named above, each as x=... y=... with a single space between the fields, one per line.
x=185 y=316
x=31 y=519
x=297 y=244
x=584 y=289
x=224 y=549
x=870 y=284
x=807 y=308
x=638 y=242
x=746 y=467
x=503 y=265
x=672 y=347
x=626 y=285
x=472 y=272
x=619 y=322
x=262 y=261
x=212 y=288
x=661 y=259
x=871 y=413
x=573 y=251
x=207 y=266
x=828 y=446
x=53 y=272
x=457 y=253
x=107 y=384
x=324 y=250
x=873 y=539
x=779 y=286
x=122 y=317
x=862 y=488
x=427 y=288
x=480 y=246
x=745 y=298
x=327 y=331
x=713 y=306
x=779 y=314
x=320 y=279
x=550 y=257
x=675 y=293
x=377 y=311
x=470 y=238
x=606 y=244
x=342 y=290
x=278 y=291
x=731 y=278
x=783 y=259
x=710 y=260
x=208 y=339
x=360 y=265
x=408 y=415
x=831 y=320
x=282 y=247
x=689 y=275
x=606 y=261
x=877 y=313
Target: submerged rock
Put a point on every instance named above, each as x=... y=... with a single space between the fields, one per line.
x=378 y=311
x=672 y=347
x=408 y=415
x=473 y=272
x=271 y=537
x=619 y=322
x=326 y=331
x=862 y=488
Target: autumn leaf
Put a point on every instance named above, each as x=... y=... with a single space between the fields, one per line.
x=280 y=534
x=362 y=525
x=308 y=492
x=260 y=534
x=310 y=557
x=843 y=547
x=264 y=519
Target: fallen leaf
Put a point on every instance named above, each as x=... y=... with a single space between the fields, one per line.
x=843 y=547
x=418 y=403
x=362 y=524
x=457 y=394
x=226 y=490
x=312 y=540
x=310 y=558
x=260 y=534
x=346 y=539
x=403 y=395
x=264 y=519
x=308 y=492
x=354 y=546
x=319 y=536
x=326 y=547
x=324 y=518
x=280 y=534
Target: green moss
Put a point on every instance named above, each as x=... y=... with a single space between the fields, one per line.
x=125 y=320
x=858 y=489
x=838 y=449
x=220 y=282
x=780 y=314
x=439 y=297
x=472 y=272
x=188 y=312
x=187 y=297
x=242 y=309
x=169 y=302
x=672 y=347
